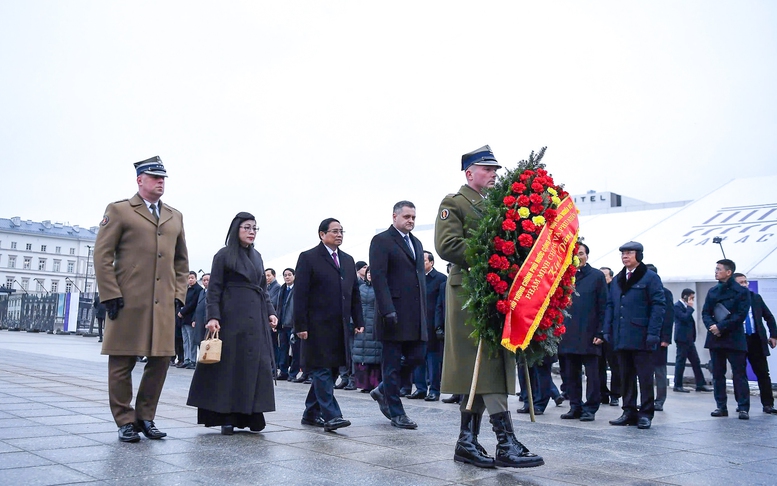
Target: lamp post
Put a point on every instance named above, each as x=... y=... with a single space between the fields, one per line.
x=20 y=286
x=74 y=284
x=86 y=271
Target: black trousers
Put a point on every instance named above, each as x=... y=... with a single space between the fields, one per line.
x=608 y=357
x=573 y=368
x=394 y=374
x=634 y=366
x=284 y=334
x=687 y=351
x=738 y=361
x=321 y=401
x=757 y=358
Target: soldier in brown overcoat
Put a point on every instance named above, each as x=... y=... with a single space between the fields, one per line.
x=141 y=264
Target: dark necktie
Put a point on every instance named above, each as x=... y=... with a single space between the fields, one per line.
x=153 y=211
x=409 y=245
x=628 y=275
x=334 y=257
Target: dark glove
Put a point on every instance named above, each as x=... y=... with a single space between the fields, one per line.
x=652 y=341
x=112 y=307
x=390 y=319
x=440 y=332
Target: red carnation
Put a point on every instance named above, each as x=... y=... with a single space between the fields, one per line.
x=525 y=240
x=528 y=226
x=542 y=172
x=545 y=323
x=508 y=247
x=523 y=200
x=509 y=201
x=513 y=271
x=525 y=176
x=559 y=331
x=537 y=187
x=512 y=214
x=540 y=337
x=518 y=187
x=536 y=208
x=552 y=313
x=503 y=306
x=492 y=278
x=501 y=287
x=535 y=199
x=508 y=225
x=495 y=262
x=498 y=242
x=550 y=215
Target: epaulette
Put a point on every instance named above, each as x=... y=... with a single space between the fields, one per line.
x=172 y=208
x=120 y=201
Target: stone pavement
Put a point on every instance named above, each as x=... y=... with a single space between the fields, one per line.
x=55 y=428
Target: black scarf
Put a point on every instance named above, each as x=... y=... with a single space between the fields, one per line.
x=636 y=275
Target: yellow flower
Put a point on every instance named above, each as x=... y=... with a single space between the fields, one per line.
x=523 y=212
x=538 y=220
x=556 y=200
x=572 y=280
x=552 y=191
x=575 y=261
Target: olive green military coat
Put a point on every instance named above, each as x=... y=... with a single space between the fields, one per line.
x=147 y=264
x=497 y=373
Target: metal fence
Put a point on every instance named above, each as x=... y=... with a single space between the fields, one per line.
x=46 y=312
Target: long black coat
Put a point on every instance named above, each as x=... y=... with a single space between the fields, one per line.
x=586 y=318
x=762 y=313
x=325 y=300
x=684 y=324
x=366 y=347
x=736 y=299
x=400 y=286
x=242 y=382
x=190 y=305
x=435 y=285
x=666 y=327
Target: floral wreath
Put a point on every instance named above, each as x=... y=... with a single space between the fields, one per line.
x=513 y=214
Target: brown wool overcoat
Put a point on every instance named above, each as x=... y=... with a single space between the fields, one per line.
x=145 y=263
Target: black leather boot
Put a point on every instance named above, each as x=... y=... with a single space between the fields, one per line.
x=468 y=449
x=510 y=452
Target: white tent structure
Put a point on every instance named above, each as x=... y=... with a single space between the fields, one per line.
x=678 y=241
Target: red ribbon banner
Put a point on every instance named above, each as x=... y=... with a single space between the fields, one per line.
x=539 y=277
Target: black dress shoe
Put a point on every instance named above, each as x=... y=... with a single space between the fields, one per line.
x=283 y=376
x=336 y=423
x=452 y=399
x=149 y=429
x=719 y=412
x=301 y=379
x=127 y=433
x=317 y=422
x=307 y=381
x=587 y=417
x=190 y=366
x=403 y=422
x=772 y=410
x=351 y=386
x=378 y=397
x=681 y=389
x=658 y=408
x=703 y=388
x=432 y=397
x=614 y=402
x=227 y=430
x=643 y=423
x=524 y=409
x=290 y=378
x=744 y=415
x=341 y=385
x=624 y=419
x=572 y=414
x=403 y=392
x=417 y=395
x=559 y=400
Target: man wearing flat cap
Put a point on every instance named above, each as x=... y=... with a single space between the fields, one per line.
x=457 y=217
x=141 y=264
x=635 y=312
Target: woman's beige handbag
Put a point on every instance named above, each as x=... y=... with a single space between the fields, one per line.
x=210 y=349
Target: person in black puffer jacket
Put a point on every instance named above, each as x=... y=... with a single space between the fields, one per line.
x=366 y=348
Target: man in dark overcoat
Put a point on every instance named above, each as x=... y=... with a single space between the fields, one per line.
x=725 y=308
x=200 y=312
x=141 y=264
x=398 y=277
x=186 y=315
x=758 y=343
x=632 y=323
x=326 y=298
x=427 y=376
x=458 y=216
x=581 y=345
x=661 y=352
x=685 y=342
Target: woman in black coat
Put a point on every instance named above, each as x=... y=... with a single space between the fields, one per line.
x=366 y=347
x=236 y=391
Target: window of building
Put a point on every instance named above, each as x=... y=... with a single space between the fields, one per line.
x=13 y=245
x=57 y=263
x=89 y=287
x=27 y=262
x=41 y=264
x=57 y=249
x=28 y=246
x=9 y=282
x=54 y=286
x=90 y=268
x=11 y=261
x=42 y=248
x=25 y=283
x=71 y=267
x=68 y=288
x=38 y=285
x=72 y=251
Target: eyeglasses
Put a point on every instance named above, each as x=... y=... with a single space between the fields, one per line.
x=250 y=228
x=336 y=231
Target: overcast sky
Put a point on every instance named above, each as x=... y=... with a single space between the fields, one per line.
x=297 y=111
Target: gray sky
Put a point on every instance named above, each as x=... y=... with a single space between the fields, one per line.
x=297 y=111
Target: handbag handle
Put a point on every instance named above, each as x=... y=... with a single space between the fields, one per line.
x=211 y=335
